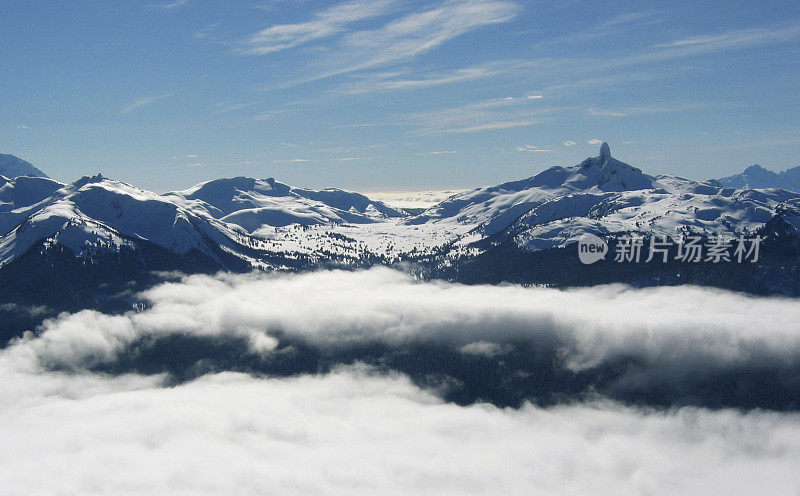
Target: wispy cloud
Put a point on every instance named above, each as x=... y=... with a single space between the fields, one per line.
x=423 y=31
x=612 y=26
x=576 y=72
x=325 y=24
x=595 y=141
x=405 y=79
x=443 y=152
x=736 y=39
x=646 y=109
x=399 y=39
x=393 y=81
x=490 y=126
x=629 y=18
x=176 y=4
x=751 y=144
x=143 y=102
x=569 y=143
x=291 y=161
x=559 y=76
x=224 y=108
x=606 y=113
x=485 y=115
x=266 y=116
x=531 y=148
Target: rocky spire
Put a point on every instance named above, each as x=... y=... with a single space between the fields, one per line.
x=605 y=152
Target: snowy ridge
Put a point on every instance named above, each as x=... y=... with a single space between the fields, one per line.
x=257 y=221
x=603 y=196
x=756 y=176
x=255 y=203
x=496 y=207
x=95 y=212
x=12 y=167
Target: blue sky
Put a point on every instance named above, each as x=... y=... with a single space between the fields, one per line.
x=393 y=95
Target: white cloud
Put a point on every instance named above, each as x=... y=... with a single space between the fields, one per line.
x=606 y=113
x=439 y=152
x=176 y=4
x=484 y=115
x=619 y=25
x=291 y=160
x=595 y=141
x=484 y=348
x=569 y=143
x=423 y=31
x=489 y=126
x=679 y=326
x=399 y=39
x=143 y=102
x=357 y=432
x=531 y=148
x=223 y=108
x=325 y=24
x=395 y=81
x=267 y=116
x=736 y=39
x=646 y=109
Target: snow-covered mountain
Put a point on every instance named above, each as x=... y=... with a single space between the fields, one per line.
x=255 y=203
x=11 y=167
x=756 y=176
x=95 y=214
x=247 y=222
x=602 y=195
x=496 y=207
x=673 y=207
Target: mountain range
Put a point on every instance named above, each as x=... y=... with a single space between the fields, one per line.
x=242 y=224
x=756 y=176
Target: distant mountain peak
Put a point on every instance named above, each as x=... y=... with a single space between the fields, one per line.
x=605 y=151
x=98 y=178
x=756 y=176
x=603 y=159
x=610 y=174
x=11 y=167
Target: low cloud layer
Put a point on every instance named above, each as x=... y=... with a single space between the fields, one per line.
x=668 y=346
x=357 y=432
x=375 y=383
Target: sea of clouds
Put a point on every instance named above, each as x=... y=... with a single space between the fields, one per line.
x=73 y=421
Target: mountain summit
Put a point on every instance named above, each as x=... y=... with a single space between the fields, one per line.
x=610 y=174
x=756 y=176
x=11 y=167
x=605 y=151
x=498 y=206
